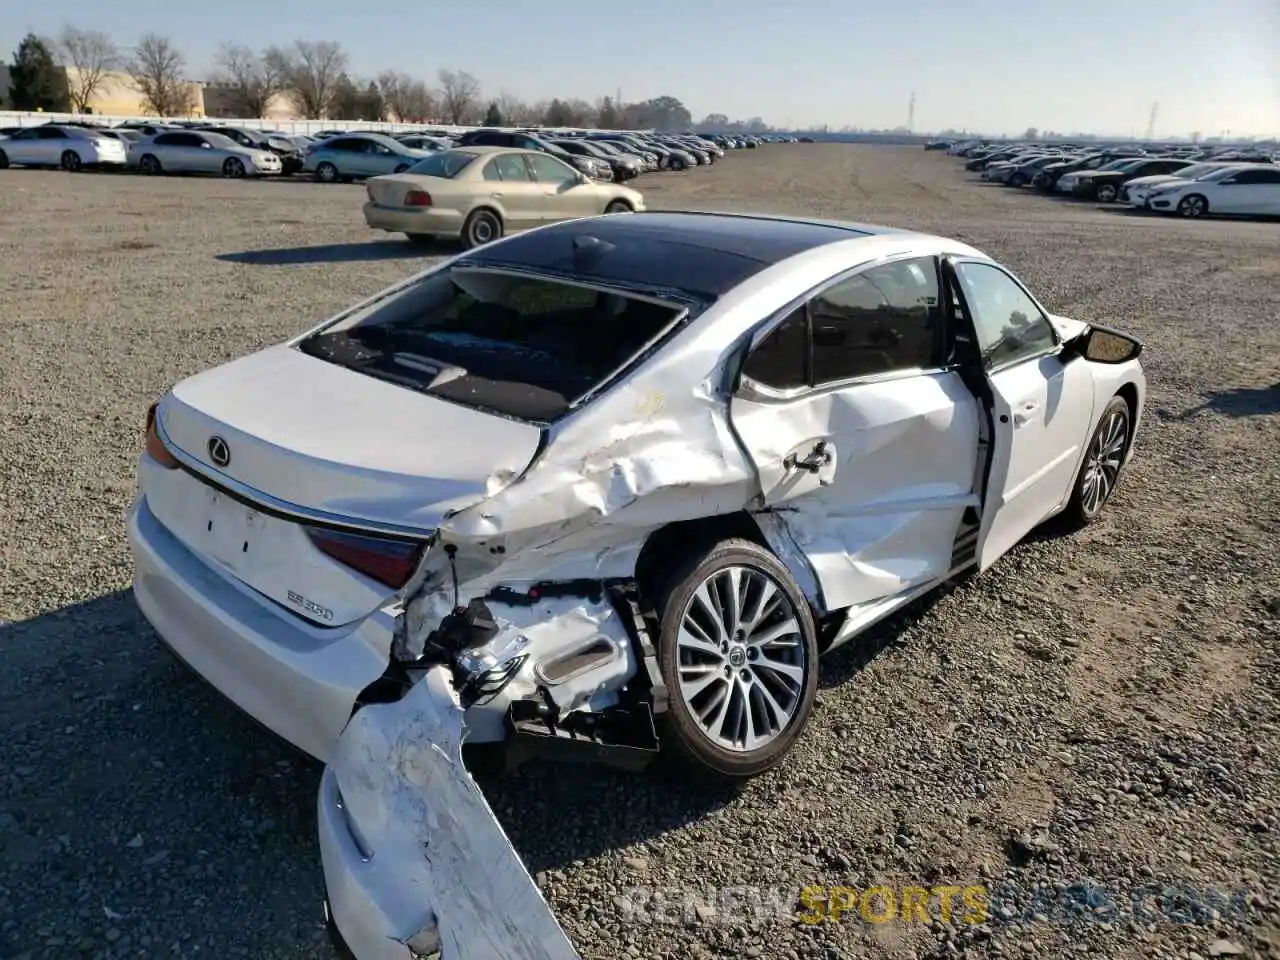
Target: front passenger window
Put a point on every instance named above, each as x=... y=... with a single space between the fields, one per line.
x=1009 y=325
x=882 y=320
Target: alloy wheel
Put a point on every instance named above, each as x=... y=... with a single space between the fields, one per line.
x=741 y=659
x=1106 y=456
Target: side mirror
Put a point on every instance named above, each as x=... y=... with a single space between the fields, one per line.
x=206 y=146
x=1105 y=345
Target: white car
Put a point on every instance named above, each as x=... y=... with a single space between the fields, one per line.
x=69 y=147
x=607 y=486
x=1134 y=192
x=199 y=151
x=1240 y=189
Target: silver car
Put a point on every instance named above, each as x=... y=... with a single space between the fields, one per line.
x=198 y=151
x=53 y=145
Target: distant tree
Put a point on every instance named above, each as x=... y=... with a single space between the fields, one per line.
x=36 y=82
x=558 y=114
x=458 y=93
x=515 y=111
x=355 y=101
x=714 y=122
x=1031 y=133
x=607 y=115
x=250 y=79
x=660 y=113
x=404 y=97
x=156 y=69
x=92 y=55
x=493 y=118
x=310 y=72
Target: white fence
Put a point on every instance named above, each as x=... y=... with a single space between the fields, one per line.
x=16 y=118
x=19 y=118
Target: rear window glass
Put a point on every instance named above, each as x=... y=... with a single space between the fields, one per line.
x=520 y=346
x=447 y=164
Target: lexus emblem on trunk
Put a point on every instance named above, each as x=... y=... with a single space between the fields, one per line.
x=219 y=452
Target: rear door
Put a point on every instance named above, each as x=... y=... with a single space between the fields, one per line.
x=510 y=185
x=864 y=437
x=1246 y=192
x=1042 y=409
x=25 y=147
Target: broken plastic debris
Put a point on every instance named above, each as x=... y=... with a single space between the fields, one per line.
x=405 y=790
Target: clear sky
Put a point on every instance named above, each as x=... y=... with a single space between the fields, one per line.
x=987 y=65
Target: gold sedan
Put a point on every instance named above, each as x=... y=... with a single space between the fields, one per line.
x=479 y=193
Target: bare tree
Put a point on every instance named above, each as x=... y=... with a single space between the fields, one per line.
x=459 y=92
x=310 y=72
x=515 y=111
x=92 y=55
x=249 y=79
x=156 y=70
x=407 y=98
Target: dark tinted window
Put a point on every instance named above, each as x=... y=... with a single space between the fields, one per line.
x=342 y=143
x=1258 y=176
x=781 y=359
x=492 y=139
x=51 y=133
x=884 y=319
x=446 y=164
x=167 y=140
x=524 y=347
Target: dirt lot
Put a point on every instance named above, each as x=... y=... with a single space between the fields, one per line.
x=1097 y=709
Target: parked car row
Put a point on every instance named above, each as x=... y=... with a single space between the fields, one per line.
x=333 y=156
x=1182 y=180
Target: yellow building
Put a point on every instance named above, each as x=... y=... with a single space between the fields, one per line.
x=118 y=96
x=219 y=103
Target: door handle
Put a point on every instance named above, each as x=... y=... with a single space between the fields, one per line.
x=818 y=458
x=496 y=196
x=1023 y=413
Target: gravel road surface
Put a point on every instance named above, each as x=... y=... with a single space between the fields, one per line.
x=1098 y=709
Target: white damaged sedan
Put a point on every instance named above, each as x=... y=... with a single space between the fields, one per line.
x=605 y=488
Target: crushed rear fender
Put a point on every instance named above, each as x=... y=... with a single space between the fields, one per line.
x=413 y=855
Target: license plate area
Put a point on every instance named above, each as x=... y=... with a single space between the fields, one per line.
x=231 y=531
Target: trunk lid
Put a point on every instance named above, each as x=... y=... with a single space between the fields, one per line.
x=329 y=439
x=304 y=440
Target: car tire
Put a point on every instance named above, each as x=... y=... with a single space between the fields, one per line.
x=481 y=227
x=701 y=747
x=71 y=161
x=1017 y=180
x=1193 y=206
x=327 y=173
x=1106 y=193
x=233 y=169
x=619 y=206
x=4 y=160
x=1103 y=463
x=148 y=163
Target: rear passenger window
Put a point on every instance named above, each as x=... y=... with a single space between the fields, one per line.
x=882 y=320
x=510 y=166
x=781 y=359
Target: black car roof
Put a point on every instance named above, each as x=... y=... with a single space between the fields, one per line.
x=704 y=254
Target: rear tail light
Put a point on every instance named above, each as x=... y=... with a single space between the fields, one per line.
x=417 y=198
x=390 y=562
x=155 y=447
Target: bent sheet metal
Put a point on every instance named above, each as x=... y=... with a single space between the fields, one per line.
x=427 y=837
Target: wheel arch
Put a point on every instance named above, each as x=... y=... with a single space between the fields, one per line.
x=669 y=545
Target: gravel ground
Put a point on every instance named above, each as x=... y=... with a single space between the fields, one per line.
x=1098 y=708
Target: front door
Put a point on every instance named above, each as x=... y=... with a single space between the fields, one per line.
x=863 y=438
x=564 y=195
x=1042 y=409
